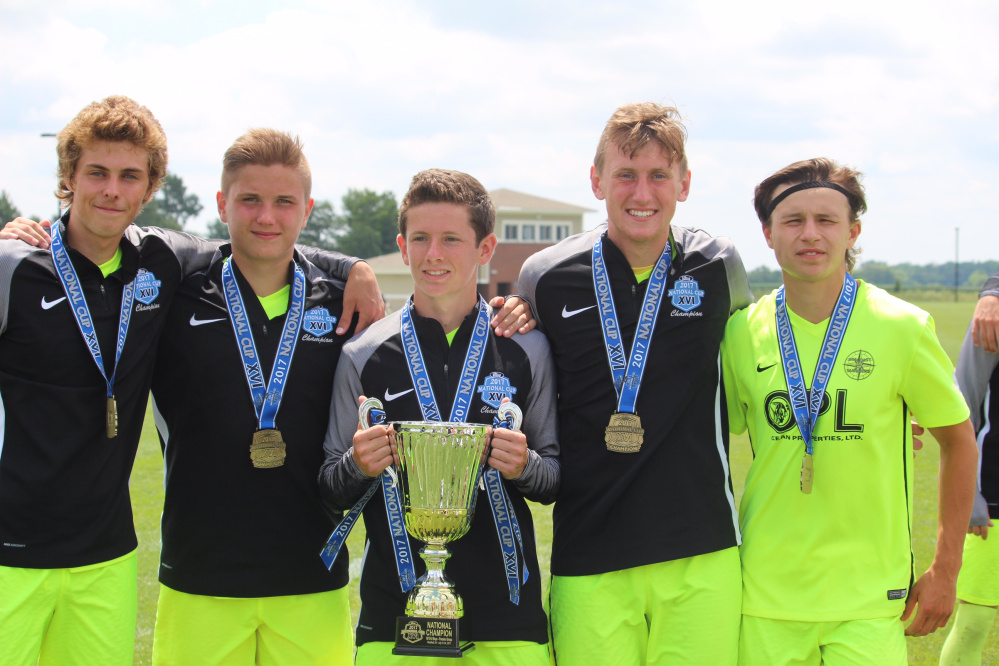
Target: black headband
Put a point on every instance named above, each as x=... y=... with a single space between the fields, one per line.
x=807 y=186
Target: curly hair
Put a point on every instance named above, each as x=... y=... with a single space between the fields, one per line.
x=115 y=118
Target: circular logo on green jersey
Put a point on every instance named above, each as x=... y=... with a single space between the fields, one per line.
x=858 y=365
x=780 y=416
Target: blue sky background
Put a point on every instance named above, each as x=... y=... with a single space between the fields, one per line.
x=517 y=93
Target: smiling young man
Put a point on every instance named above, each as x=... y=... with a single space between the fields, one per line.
x=78 y=335
x=241 y=393
x=645 y=561
x=823 y=373
x=446 y=232
x=78 y=329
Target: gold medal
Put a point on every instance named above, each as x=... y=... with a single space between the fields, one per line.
x=806 y=474
x=111 y=418
x=624 y=433
x=268 y=449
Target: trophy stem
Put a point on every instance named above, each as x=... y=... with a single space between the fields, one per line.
x=434 y=594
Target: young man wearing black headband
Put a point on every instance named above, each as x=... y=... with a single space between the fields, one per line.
x=823 y=373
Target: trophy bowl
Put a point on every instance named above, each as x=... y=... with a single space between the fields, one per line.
x=440 y=464
x=438 y=472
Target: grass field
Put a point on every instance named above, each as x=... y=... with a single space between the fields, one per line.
x=147 y=500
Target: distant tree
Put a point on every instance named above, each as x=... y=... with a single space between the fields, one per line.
x=152 y=216
x=977 y=279
x=172 y=207
x=370 y=222
x=8 y=211
x=764 y=275
x=175 y=202
x=879 y=273
x=324 y=228
x=218 y=229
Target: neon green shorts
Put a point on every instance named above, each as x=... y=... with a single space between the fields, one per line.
x=978 y=582
x=80 y=615
x=680 y=612
x=767 y=642
x=193 y=629
x=486 y=653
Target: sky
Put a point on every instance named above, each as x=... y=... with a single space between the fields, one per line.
x=517 y=93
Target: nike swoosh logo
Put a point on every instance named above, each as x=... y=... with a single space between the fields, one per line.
x=51 y=304
x=201 y=322
x=762 y=369
x=569 y=313
x=389 y=397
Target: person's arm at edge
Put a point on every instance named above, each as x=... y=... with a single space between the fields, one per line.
x=985 y=321
x=933 y=596
x=973 y=371
x=29 y=231
x=738 y=280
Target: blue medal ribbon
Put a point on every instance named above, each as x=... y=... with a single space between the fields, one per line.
x=266 y=400
x=806 y=404
x=397 y=527
x=342 y=530
x=506 y=520
x=507 y=526
x=469 y=371
x=627 y=374
x=81 y=312
x=499 y=502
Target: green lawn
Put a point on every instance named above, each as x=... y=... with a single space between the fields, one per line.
x=147 y=499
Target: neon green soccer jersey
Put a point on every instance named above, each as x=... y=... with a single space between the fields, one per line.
x=842 y=552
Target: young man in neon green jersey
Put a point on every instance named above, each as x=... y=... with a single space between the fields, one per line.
x=823 y=373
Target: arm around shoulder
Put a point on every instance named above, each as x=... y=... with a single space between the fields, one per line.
x=193 y=253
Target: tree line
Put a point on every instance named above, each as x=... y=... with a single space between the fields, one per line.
x=365 y=227
x=368 y=224
x=905 y=277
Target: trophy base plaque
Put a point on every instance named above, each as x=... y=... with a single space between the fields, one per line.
x=429 y=637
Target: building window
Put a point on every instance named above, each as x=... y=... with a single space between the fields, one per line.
x=545 y=233
x=561 y=231
x=527 y=233
x=511 y=232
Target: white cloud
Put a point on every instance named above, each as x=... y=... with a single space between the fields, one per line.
x=517 y=94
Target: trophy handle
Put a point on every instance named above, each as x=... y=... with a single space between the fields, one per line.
x=371 y=412
x=510 y=416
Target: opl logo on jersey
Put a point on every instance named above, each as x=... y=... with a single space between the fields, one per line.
x=685 y=294
x=317 y=323
x=147 y=287
x=495 y=388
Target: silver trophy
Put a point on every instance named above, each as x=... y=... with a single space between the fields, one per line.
x=439 y=467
